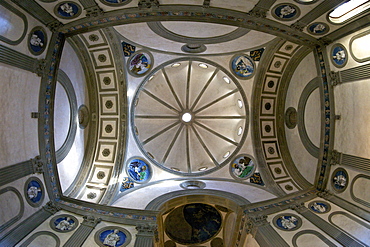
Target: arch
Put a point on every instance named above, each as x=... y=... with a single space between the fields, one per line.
x=66 y=83
x=307 y=143
x=228 y=200
x=41 y=233
x=20 y=15
x=357 y=199
x=21 y=210
x=317 y=234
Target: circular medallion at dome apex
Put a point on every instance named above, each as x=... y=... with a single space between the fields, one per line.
x=190 y=116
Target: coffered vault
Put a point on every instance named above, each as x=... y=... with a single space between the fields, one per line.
x=205 y=123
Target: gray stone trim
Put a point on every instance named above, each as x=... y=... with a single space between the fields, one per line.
x=21 y=208
x=86 y=164
x=350 y=207
x=158 y=202
x=20 y=60
x=38 y=12
x=352 y=218
x=83 y=231
x=37 y=234
x=319 y=235
x=91 y=7
x=307 y=143
x=356 y=73
x=356 y=199
x=14 y=172
x=318 y=11
x=146 y=235
x=280 y=108
x=66 y=83
x=159 y=29
x=25 y=22
x=24 y=228
x=323 y=225
x=193 y=13
x=356 y=162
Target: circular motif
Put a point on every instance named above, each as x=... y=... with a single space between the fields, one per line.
x=194 y=48
x=102 y=58
x=140 y=63
x=100 y=175
x=83 y=116
x=106 y=81
x=339 y=55
x=320 y=207
x=169 y=243
x=115 y=2
x=287 y=222
x=199 y=221
x=112 y=236
x=268 y=106
x=286 y=12
x=109 y=104
x=138 y=170
x=34 y=191
x=267 y=128
x=271 y=150
x=339 y=179
x=177 y=122
x=243 y=66
x=291 y=118
x=93 y=37
x=306 y=1
x=91 y=195
x=108 y=128
x=189 y=185
x=271 y=84
x=318 y=28
x=67 y=10
x=63 y=223
x=242 y=167
x=106 y=152
x=37 y=40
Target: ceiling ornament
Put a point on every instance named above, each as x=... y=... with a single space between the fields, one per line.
x=243 y=66
x=140 y=63
x=242 y=167
x=37 y=40
x=190 y=116
x=339 y=55
x=318 y=28
x=286 y=12
x=138 y=171
x=67 y=10
x=34 y=191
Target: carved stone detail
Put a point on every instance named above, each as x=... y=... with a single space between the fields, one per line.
x=37 y=165
x=298 y=26
x=335 y=78
x=94 y=11
x=54 y=26
x=147 y=229
x=147 y=4
x=51 y=207
x=39 y=67
x=326 y=194
x=299 y=207
x=258 y=12
x=206 y=3
x=335 y=157
x=90 y=221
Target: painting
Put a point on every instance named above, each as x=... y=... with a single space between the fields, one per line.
x=242 y=167
x=138 y=170
x=67 y=10
x=128 y=49
x=126 y=184
x=37 y=40
x=243 y=66
x=112 y=236
x=318 y=28
x=339 y=55
x=140 y=63
x=64 y=223
x=257 y=54
x=286 y=12
x=339 y=180
x=193 y=223
x=34 y=191
x=319 y=207
x=256 y=178
x=287 y=222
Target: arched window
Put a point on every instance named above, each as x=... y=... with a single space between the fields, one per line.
x=348 y=10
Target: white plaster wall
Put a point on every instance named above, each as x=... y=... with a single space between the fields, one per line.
x=12 y=208
x=305 y=162
x=18 y=131
x=69 y=167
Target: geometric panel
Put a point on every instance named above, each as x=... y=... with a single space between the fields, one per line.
x=94 y=38
x=107 y=80
x=106 y=152
x=109 y=128
x=102 y=58
x=93 y=194
x=267 y=127
x=101 y=174
x=278 y=64
x=271 y=84
x=288 y=186
x=277 y=169
x=109 y=104
x=271 y=150
x=288 y=48
x=267 y=107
